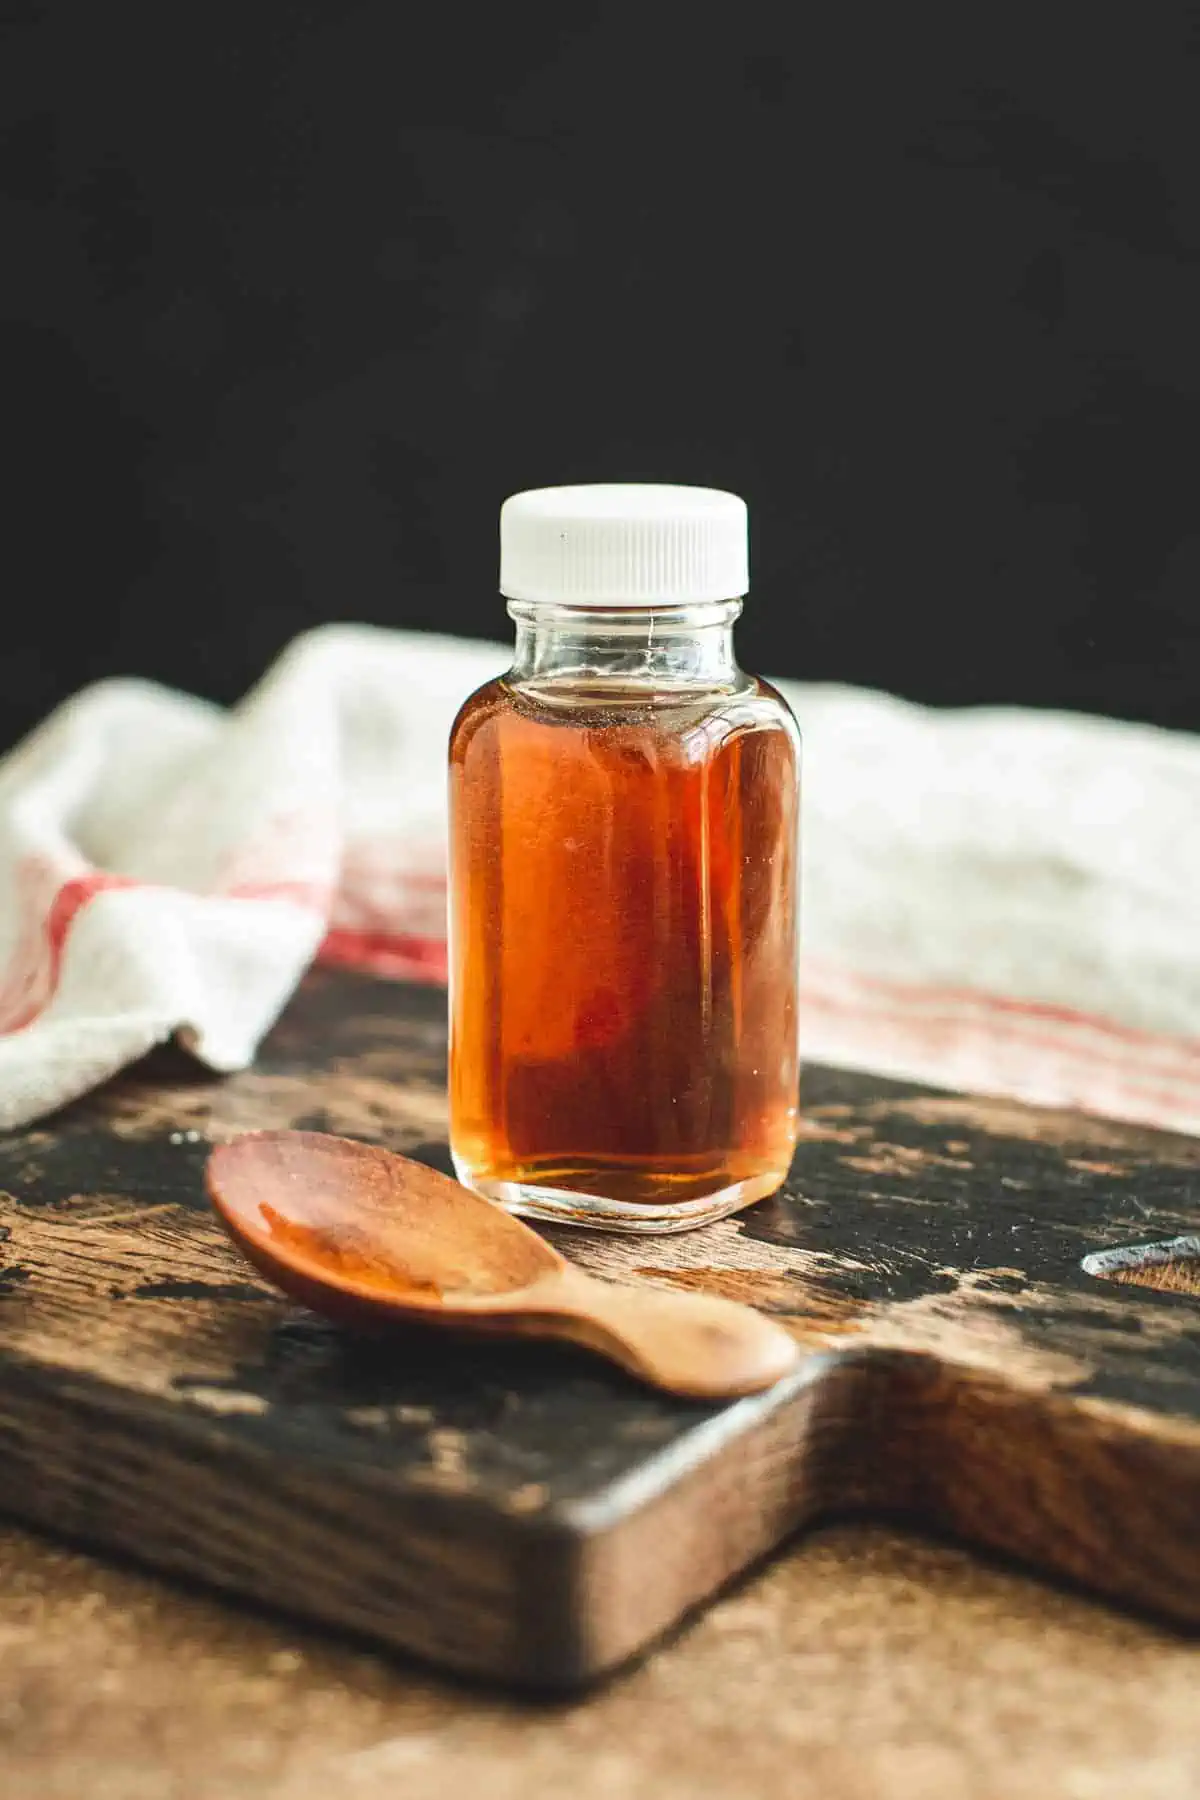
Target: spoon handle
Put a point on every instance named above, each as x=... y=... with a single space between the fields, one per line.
x=690 y=1344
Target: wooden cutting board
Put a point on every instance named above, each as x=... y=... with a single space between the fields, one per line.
x=525 y=1512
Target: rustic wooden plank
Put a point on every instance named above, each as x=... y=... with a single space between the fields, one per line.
x=522 y=1510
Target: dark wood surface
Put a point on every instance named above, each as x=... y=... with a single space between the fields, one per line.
x=524 y=1511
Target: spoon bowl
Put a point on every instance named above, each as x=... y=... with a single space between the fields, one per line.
x=367 y=1237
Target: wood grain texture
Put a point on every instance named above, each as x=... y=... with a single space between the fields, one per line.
x=522 y=1510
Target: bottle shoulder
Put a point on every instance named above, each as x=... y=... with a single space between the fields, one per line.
x=699 y=718
x=476 y=710
x=777 y=706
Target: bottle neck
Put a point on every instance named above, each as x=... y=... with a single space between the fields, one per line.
x=671 y=646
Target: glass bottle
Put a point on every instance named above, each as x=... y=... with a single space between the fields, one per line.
x=624 y=876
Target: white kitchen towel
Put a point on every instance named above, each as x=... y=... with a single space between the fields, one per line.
x=1002 y=901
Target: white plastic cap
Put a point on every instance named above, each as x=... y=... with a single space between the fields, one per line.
x=631 y=545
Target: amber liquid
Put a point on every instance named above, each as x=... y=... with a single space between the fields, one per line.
x=623 y=948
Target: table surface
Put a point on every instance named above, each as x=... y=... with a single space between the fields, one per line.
x=859 y=1664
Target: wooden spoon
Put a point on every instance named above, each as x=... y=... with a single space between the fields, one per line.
x=367 y=1237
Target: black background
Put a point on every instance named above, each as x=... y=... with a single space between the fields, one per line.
x=294 y=295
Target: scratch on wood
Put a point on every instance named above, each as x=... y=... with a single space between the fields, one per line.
x=720 y=1249
x=355 y=1105
x=968 y=1327
x=812 y=1130
x=377 y=1417
x=198 y=1290
x=528 y=1498
x=447 y=1466
x=126 y=1214
x=224 y=1400
x=901 y=1159
x=808 y=1311
x=1036 y=1125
